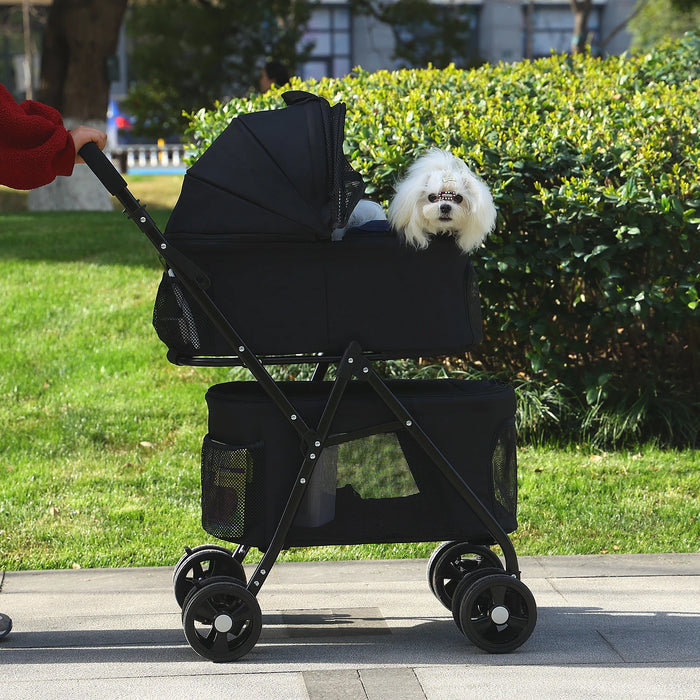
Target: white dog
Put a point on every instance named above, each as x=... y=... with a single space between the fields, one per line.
x=439 y=195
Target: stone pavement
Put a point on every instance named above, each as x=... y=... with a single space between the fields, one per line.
x=613 y=626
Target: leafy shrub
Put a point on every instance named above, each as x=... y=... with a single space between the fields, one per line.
x=591 y=279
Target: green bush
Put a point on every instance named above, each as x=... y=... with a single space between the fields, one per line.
x=591 y=279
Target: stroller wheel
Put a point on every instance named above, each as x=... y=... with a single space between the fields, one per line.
x=202 y=564
x=191 y=550
x=437 y=553
x=497 y=613
x=453 y=562
x=461 y=588
x=5 y=625
x=222 y=619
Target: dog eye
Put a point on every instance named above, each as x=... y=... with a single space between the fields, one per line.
x=432 y=198
x=458 y=198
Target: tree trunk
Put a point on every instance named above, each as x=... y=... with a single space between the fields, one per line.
x=582 y=11
x=80 y=35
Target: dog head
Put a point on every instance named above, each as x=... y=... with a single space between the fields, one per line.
x=439 y=195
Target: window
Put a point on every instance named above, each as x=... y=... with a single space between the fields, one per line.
x=330 y=29
x=438 y=33
x=550 y=27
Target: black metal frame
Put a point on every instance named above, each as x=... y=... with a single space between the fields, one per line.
x=353 y=365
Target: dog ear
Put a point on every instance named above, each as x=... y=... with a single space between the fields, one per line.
x=401 y=206
x=404 y=214
x=482 y=214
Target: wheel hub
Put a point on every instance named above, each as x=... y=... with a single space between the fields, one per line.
x=500 y=615
x=223 y=623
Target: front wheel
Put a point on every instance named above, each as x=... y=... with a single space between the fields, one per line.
x=497 y=613
x=222 y=619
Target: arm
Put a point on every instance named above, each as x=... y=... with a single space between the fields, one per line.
x=35 y=146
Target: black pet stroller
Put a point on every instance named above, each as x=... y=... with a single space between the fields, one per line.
x=253 y=278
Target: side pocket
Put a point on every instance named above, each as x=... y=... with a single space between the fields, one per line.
x=173 y=318
x=504 y=465
x=227 y=473
x=471 y=284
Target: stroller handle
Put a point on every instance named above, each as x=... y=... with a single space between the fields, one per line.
x=106 y=173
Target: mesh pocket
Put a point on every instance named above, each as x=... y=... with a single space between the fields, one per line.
x=346 y=183
x=173 y=318
x=473 y=304
x=227 y=472
x=504 y=465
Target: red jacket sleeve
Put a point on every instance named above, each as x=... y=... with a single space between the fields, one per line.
x=35 y=147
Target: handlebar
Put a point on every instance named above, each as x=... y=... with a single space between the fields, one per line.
x=106 y=173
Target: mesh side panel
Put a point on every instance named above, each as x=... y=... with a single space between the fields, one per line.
x=173 y=318
x=376 y=467
x=504 y=464
x=473 y=303
x=227 y=472
x=347 y=184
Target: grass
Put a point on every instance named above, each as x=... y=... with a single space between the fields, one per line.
x=100 y=436
x=160 y=192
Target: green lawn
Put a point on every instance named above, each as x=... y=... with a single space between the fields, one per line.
x=100 y=435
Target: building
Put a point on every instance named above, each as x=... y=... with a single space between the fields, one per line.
x=497 y=30
x=491 y=31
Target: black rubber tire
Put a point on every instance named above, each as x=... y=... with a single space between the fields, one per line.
x=453 y=563
x=437 y=553
x=497 y=613
x=202 y=564
x=5 y=625
x=222 y=620
x=464 y=584
x=189 y=551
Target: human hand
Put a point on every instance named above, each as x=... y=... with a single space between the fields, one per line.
x=84 y=134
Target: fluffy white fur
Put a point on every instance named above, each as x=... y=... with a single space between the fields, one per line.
x=439 y=195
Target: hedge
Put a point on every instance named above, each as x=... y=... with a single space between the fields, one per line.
x=591 y=280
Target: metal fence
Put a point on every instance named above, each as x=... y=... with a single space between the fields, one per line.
x=149 y=158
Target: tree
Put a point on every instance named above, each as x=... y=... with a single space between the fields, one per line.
x=685 y=5
x=663 y=19
x=582 y=11
x=187 y=54
x=427 y=33
x=80 y=36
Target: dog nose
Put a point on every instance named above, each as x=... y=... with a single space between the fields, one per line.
x=445 y=208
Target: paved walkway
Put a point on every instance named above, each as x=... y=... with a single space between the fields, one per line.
x=614 y=626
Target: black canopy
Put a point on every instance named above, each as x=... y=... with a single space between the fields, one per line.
x=277 y=172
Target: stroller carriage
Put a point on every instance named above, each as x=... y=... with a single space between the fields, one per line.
x=253 y=278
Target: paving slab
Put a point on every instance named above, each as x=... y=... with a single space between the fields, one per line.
x=623 y=626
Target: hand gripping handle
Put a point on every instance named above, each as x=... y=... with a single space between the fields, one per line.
x=106 y=173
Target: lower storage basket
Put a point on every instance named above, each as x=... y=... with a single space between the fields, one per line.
x=378 y=488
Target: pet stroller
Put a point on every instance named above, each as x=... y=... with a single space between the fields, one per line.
x=253 y=278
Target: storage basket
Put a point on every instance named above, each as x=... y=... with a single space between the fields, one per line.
x=471 y=423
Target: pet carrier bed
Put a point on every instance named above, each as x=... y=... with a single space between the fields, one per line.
x=253 y=278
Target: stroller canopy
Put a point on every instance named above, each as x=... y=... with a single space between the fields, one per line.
x=279 y=172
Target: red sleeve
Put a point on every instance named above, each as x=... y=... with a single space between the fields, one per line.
x=35 y=147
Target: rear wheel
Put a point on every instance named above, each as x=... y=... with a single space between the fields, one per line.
x=5 y=625
x=191 y=550
x=204 y=563
x=453 y=562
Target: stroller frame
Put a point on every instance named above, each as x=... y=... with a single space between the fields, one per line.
x=490 y=604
